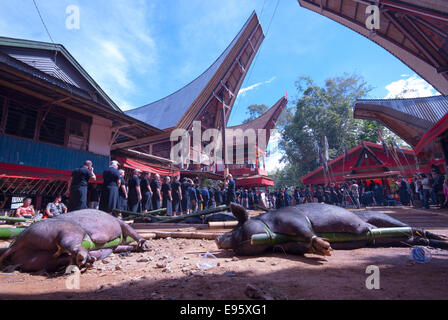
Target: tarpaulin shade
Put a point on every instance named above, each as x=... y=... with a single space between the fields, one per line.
x=256 y=181
x=27 y=172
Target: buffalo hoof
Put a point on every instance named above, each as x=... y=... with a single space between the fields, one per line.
x=320 y=246
x=143 y=245
x=81 y=258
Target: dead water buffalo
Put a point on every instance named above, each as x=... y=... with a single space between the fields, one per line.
x=308 y=220
x=55 y=243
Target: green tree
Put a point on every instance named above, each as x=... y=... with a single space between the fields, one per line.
x=320 y=112
x=256 y=110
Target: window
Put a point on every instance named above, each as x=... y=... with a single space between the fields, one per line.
x=21 y=120
x=52 y=129
x=78 y=134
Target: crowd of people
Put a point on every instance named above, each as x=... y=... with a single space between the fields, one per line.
x=422 y=191
x=143 y=192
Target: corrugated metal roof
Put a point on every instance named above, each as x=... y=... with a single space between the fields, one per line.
x=67 y=69
x=431 y=109
x=167 y=112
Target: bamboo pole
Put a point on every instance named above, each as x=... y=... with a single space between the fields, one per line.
x=131 y=213
x=370 y=236
x=187 y=235
x=196 y=214
x=8 y=233
x=222 y=224
x=14 y=219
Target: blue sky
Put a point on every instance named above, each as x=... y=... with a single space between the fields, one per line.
x=142 y=50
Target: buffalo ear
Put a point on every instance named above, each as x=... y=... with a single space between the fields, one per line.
x=239 y=212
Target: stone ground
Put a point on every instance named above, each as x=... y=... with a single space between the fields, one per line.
x=169 y=271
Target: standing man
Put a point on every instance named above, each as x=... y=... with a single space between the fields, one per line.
x=205 y=197
x=145 y=187
x=244 y=198
x=287 y=198
x=122 y=192
x=109 y=191
x=219 y=196
x=354 y=188
x=185 y=188
x=425 y=190
x=135 y=194
x=212 y=201
x=167 y=196
x=199 y=197
x=77 y=186
x=404 y=191
x=193 y=198
x=156 y=195
x=437 y=185
x=230 y=189
x=176 y=192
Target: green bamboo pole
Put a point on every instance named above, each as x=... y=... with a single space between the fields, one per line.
x=8 y=233
x=196 y=214
x=372 y=235
x=114 y=243
x=14 y=219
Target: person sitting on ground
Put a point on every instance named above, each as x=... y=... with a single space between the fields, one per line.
x=55 y=208
x=26 y=210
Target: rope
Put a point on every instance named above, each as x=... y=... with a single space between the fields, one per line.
x=42 y=20
x=256 y=56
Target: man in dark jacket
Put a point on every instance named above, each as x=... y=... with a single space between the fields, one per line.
x=135 y=193
x=156 y=193
x=437 y=185
x=231 y=194
x=109 y=191
x=404 y=191
x=77 y=186
x=205 y=197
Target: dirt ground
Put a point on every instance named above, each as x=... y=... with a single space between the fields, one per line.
x=169 y=271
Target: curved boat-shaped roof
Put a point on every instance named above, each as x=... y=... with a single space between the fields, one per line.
x=168 y=112
x=265 y=121
x=414 y=31
x=408 y=118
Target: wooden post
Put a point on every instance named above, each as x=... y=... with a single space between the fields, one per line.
x=223 y=128
x=4 y=115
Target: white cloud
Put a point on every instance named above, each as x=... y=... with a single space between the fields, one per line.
x=412 y=87
x=243 y=91
x=273 y=162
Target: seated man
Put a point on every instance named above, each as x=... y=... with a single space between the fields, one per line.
x=26 y=210
x=55 y=208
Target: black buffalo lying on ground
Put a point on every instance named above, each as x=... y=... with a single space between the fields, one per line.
x=55 y=243
x=308 y=220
